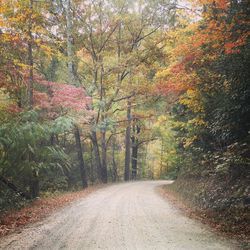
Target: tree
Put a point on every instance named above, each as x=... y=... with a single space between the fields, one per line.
x=204 y=83
x=73 y=80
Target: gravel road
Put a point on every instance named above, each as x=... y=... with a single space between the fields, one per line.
x=124 y=216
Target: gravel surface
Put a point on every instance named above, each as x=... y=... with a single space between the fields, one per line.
x=124 y=216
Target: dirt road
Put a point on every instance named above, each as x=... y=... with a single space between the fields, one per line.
x=124 y=216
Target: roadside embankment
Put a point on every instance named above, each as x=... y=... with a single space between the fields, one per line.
x=222 y=204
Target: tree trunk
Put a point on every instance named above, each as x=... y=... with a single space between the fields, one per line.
x=134 y=160
x=104 y=171
x=72 y=80
x=80 y=158
x=92 y=176
x=114 y=165
x=34 y=185
x=97 y=155
x=135 y=147
x=127 y=144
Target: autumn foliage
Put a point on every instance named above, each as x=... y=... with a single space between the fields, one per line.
x=200 y=43
x=94 y=91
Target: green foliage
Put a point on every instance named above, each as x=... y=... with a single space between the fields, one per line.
x=25 y=146
x=10 y=199
x=167 y=151
x=62 y=124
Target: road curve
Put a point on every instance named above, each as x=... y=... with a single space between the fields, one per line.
x=124 y=216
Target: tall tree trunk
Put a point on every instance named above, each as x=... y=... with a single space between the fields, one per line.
x=135 y=147
x=114 y=165
x=97 y=155
x=92 y=176
x=34 y=181
x=104 y=158
x=80 y=158
x=72 y=80
x=145 y=165
x=134 y=159
x=127 y=144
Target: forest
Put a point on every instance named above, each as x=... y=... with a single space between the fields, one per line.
x=93 y=92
